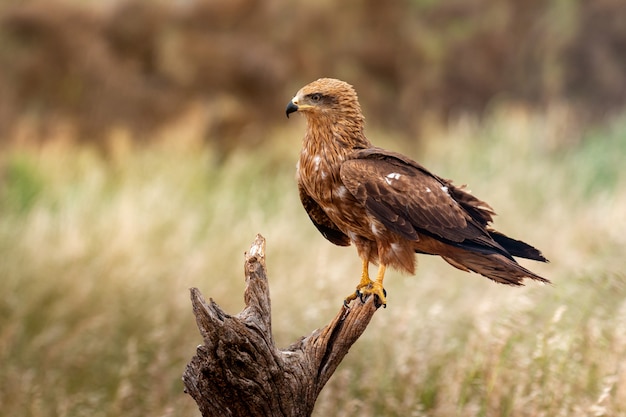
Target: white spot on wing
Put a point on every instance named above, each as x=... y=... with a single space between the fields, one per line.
x=427 y=190
x=444 y=189
x=393 y=176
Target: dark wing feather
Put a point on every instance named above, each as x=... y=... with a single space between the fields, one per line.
x=408 y=199
x=401 y=194
x=477 y=209
x=327 y=228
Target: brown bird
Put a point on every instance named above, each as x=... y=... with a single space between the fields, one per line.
x=388 y=205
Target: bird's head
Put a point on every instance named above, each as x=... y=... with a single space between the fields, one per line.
x=327 y=99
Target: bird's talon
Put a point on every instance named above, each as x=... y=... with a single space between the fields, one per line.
x=377 y=290
x=348 y=299
x=378 y=302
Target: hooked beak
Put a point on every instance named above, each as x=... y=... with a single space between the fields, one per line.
x=291 y=107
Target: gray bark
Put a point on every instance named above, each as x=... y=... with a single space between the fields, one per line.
x=239 y=371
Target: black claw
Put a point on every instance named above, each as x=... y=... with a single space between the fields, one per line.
x=377 y=302
x=363 y=297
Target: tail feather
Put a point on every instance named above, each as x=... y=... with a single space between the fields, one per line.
x=496 y=267
x=517 y=247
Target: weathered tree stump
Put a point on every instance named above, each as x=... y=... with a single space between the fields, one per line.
x=239 y=371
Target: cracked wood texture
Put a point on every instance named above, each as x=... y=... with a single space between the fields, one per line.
x=239 y=371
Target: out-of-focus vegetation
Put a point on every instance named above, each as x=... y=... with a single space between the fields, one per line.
x=97 y=256
x=87 y=68
x=98 y=250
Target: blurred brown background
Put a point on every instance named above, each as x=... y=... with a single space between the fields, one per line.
x=139 y=64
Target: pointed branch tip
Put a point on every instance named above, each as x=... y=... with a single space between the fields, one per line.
x=258 y=248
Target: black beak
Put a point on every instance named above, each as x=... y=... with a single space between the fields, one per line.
x=291 y=108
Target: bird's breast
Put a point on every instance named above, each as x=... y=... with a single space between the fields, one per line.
x=322 y=181
x=319 y=176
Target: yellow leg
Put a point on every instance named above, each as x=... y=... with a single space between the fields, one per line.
x=367 y=286
x=365 y=276
x=377 y=286
x=365 y=282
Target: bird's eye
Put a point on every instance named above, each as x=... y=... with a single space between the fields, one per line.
x=316 y=97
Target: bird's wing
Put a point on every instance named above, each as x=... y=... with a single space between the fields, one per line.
x=408 y=199
x=327 y=228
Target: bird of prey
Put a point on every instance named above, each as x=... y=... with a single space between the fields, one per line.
x=387 y=205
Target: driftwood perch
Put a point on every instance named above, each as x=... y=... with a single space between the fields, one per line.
x=238 y=371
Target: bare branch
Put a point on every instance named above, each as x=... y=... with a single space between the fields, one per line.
x=238 y=371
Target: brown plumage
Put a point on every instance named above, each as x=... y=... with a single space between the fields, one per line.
x=389 y=206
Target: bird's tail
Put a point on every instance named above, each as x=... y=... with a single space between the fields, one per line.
x=517 y=247
x=494 y=266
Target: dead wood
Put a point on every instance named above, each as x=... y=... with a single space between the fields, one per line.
x=239 y=371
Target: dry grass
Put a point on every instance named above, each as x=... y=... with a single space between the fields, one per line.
x=97 y=256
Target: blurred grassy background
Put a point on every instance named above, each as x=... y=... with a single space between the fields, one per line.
x=144 y=145
x=87 y=68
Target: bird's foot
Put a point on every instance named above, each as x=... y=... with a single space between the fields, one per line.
x=365 y=282
x=362 y=292
x=376 y=289
x=357 y=293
